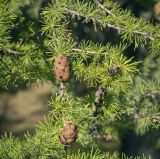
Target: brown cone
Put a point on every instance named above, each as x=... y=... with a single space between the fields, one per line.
x=69 y=134
x=61 y=68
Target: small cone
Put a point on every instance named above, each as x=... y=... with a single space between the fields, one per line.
x=69 y=134
x=61 y=68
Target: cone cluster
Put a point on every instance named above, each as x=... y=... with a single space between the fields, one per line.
x=62 y=68
x=69 y=134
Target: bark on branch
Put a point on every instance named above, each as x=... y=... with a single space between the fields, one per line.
x=98 y=101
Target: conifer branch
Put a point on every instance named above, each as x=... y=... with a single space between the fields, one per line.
x=103 y=67
x=119 y=29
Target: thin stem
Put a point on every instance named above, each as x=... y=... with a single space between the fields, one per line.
x=62 y=90
x=66 y=150
x=10 y=51
x=79 y=50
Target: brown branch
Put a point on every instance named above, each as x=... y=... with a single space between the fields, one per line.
x=96 y=110
x=96 y=106
x=98 y=101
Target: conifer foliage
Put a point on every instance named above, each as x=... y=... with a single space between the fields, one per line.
x=120 y=97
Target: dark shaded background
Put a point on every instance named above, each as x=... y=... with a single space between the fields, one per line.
x=22 y=108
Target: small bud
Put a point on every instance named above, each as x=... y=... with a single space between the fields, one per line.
x=69 y=134
x=113 y=70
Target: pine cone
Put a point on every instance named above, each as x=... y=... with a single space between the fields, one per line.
x=69 y=134
x=61 y=68
x=156 y=11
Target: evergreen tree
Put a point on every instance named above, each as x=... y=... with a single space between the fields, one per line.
x=122 y=93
